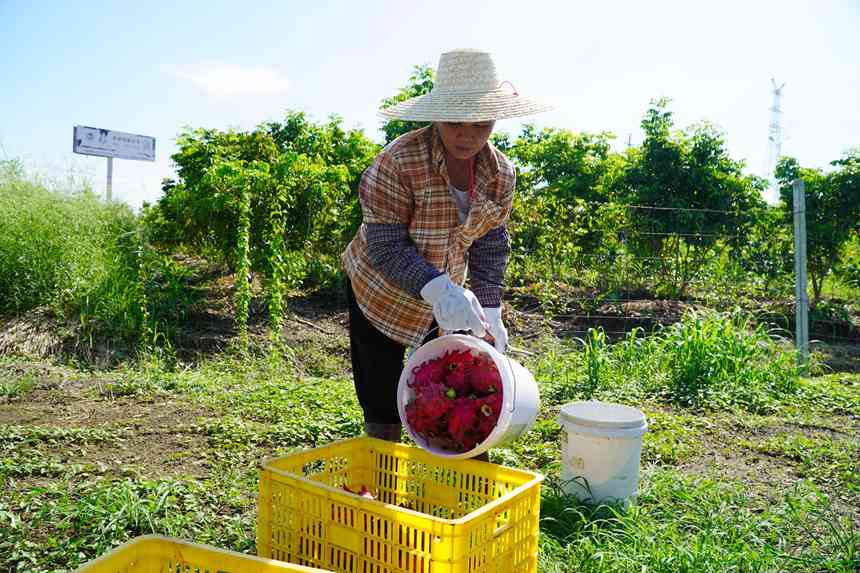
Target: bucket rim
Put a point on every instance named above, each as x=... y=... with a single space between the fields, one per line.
x=602 y=415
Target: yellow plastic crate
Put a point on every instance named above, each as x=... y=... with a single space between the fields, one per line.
x=432 y=514
x=157 y=554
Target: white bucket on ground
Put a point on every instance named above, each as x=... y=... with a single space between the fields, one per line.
x=601 y=448
x=520 y=396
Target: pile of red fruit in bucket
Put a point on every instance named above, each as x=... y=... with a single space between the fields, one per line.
x=457 y=400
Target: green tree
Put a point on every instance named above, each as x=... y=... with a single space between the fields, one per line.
x=420 y=83
x=280 y=201
x=302 y=178
x=765 y=250
x=562 y=225
x=846 y=183
x=832 y=211
x=692 y=194
x=559 y=162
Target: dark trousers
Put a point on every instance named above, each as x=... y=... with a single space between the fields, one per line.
x=377 y=362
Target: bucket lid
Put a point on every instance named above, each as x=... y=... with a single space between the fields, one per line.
x=596 y=414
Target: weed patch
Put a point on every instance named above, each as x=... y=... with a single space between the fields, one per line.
x=684 y=525
x=67 y=524
x=707 y=361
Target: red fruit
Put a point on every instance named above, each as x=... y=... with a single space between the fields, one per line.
x=462 y=419
x=434 y=405
x=486 y=425
x=457 y=379
x=457 y=402
x=457 y=358
x=490 y=405
x=431 y=372
x=485 y=376
x=418 y=421
x=468 y=442
x=457 y=367
x=433 y=400
x=364 y=492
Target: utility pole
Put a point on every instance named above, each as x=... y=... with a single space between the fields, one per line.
x=801 y=295
x=774 y=143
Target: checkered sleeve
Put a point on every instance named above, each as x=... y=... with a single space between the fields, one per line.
x=394 y=255
x=488 y=259
x=385 y=196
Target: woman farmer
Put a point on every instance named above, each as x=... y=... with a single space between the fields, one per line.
x=435 y=203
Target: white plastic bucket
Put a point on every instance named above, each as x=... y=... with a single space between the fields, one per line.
x=601 y=450
x=520 y=396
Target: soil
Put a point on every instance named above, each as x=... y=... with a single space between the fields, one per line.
x=768 y=477
x=149 y=432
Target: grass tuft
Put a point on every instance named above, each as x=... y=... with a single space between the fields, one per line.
x=705 y=361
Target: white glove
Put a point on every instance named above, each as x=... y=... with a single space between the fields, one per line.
x=497 y=328
x=454 y=307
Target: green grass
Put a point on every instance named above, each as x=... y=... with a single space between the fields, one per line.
x=685 y=525
x=60 y=507
x=85 y=260
x=837 y=393
x=54 y=248
x=671 y=438
x=706 y=361
x=15 y=387
x=61 y=525
x=42 y=451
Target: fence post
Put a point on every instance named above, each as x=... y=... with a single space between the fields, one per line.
x=801 y=296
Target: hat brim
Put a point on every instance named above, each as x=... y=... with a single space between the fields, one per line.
x=459 y=106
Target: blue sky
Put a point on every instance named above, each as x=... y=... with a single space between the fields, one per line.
x=154 y=67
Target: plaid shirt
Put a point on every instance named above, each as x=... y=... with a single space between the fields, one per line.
x=407 y=187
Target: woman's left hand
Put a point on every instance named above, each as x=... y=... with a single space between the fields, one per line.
x=496 y=328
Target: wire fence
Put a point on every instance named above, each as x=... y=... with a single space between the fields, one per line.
x=636 y=276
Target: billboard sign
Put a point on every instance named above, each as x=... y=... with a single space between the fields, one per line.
x=108 y=143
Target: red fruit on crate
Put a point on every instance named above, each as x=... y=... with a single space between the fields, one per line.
x=363 y=492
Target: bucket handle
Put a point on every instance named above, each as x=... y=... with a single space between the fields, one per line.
x=514 y=379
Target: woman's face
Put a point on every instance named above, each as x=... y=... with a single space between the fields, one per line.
x=465 y=140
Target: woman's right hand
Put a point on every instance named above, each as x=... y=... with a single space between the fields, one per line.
x=454 y=307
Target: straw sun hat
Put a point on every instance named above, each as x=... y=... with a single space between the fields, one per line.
x=466 y=89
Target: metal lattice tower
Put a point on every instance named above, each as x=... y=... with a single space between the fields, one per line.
x=774 y=139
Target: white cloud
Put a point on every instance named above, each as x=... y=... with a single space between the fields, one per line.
x=224 y=80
